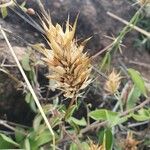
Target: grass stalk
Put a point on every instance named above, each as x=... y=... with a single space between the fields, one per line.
x=29 y=86
x=129 y=24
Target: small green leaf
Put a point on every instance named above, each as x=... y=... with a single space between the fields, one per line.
x=36 y=122
x=43 y=138
x=4 y=12
x=85 y=146
x=138 y=81
x=8 y=139
x=103 y=114
x=107 y=115
x=5 y=145
x=18 y=136
x=33 y=105
x=108 y=139
x=120 y=120
x=133 y=97
x=28 y=97
x=23 y=4
x=7 y=142
x=70 y=111
x=99 y=114
x=82 y=145
x=81 y=122
x=26 y=62
x=142 y=115
x=27 y=144
x=73 y=146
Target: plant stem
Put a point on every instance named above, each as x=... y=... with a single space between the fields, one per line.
x=70 y=104
x=4 y=123
x=129 y=24
x=118 y=97
x=72 y=101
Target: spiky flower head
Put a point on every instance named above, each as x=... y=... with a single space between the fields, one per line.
x=113 y=82
x=70 y=66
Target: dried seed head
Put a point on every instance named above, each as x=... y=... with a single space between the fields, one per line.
x=130 y=143
x=96 y=147
x=113 y=82
x=70 y=66
x=144 y=2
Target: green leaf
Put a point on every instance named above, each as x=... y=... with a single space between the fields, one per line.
x=8 y=139
x=118 y=120
x=26 y=62
x=85 y=146
x=107 y=115
x=27 y=144
x=81 y=122
x=108 y=139
x=43 y=137
x=4 y=12
x=18 y=136
x=99 y=114
x=138 y=81
x=28 y=97
x=100 y=135
x=133 y=97
x=33 y=105
x=73 y=146
x=103 y=114
x=82 y=145
x=36 y=122
x=7 y=142
x=142 y=115
x=56 y=120
x=23 y=4
x=70 y=111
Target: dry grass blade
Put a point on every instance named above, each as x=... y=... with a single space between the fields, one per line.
x=29 y=86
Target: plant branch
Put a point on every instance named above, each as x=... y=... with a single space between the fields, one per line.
x=100 y=124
